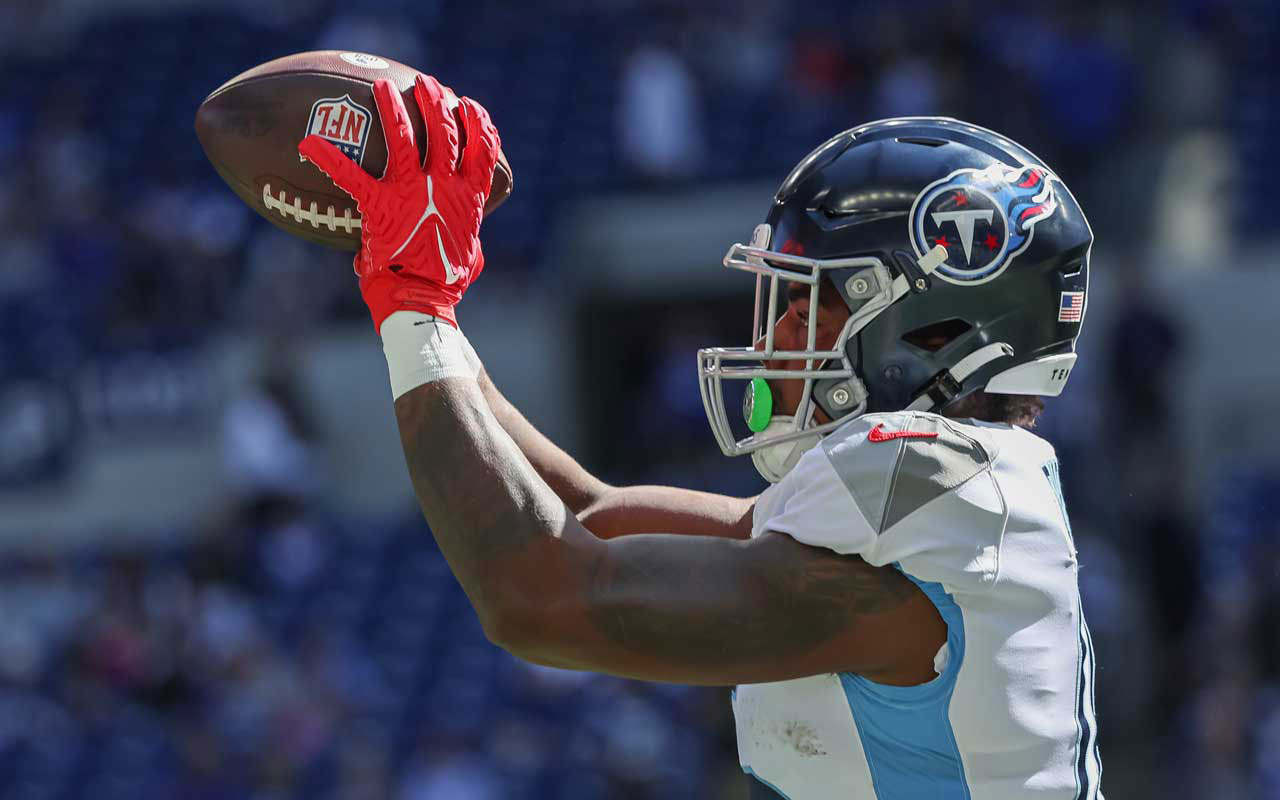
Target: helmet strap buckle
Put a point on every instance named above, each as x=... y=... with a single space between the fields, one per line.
x=941 y=390
x=947 y=384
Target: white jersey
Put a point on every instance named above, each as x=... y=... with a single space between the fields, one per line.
x=974 y=517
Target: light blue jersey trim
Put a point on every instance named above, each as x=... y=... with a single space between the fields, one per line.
x=752 y=773
x=905 y=730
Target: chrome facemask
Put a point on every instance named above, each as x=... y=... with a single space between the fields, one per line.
x=870 y=282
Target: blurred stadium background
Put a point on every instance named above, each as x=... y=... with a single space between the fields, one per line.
x=214 y=582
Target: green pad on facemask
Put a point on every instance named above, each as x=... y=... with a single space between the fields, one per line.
x=757 y=405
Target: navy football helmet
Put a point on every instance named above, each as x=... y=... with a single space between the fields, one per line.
x=921 y=224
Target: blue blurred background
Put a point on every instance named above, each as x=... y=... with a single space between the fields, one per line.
x=214 y=582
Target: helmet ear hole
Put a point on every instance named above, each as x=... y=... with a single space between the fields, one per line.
x=937 y=335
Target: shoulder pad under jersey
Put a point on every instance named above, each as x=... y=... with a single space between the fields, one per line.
x=896 y=463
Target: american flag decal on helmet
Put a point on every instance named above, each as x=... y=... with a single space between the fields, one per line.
x=1071 y=307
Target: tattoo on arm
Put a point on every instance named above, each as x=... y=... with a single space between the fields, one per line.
x=744 y=609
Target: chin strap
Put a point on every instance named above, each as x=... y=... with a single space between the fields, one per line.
x=947 y=385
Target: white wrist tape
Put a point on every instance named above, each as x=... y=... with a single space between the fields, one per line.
x=421 y=349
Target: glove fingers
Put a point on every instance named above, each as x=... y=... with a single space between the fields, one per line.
x=345 y=173
x=402 y=153
x=442 y=126
x=483 y=144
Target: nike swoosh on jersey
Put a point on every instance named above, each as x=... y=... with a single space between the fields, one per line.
x=879 y=434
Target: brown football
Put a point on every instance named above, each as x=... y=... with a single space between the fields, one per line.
x=250 y=127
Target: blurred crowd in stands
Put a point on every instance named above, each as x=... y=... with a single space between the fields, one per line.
x=283 y=656
x=284 y=651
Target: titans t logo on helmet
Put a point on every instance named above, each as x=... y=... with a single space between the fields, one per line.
x=983 y=217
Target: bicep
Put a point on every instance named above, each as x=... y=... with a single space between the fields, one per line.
x=704 y=610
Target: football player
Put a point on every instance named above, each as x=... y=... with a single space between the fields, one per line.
x=899 y=610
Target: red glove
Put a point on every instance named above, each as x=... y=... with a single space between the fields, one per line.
x=420 y=228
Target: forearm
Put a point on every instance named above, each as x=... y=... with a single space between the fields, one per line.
x=622 y=511
x=609 y=511
x=486 y=506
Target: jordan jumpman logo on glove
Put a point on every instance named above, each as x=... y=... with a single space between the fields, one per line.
x=420 y=228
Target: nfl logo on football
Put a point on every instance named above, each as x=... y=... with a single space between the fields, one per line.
x=343 y=122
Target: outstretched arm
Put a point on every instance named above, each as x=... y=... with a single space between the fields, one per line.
x=609 y=511
x=686 y=609
x=691 y=609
